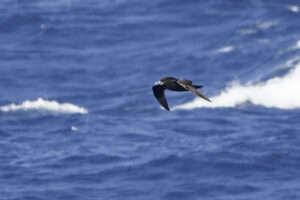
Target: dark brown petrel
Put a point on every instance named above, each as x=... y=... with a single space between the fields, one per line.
x=174 y=84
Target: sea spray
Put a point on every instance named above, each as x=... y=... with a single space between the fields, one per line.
x=44 y=106
x=278 y=92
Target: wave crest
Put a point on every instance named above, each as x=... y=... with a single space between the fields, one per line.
x=45 y=106
x=278 y=92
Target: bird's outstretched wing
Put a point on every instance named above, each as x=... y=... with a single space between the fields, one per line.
x=159 y=93
x=189 y=87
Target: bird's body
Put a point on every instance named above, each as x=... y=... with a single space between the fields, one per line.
x=174 y=84
x=171 y=83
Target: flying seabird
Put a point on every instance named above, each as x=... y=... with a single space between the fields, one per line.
x=174 y=84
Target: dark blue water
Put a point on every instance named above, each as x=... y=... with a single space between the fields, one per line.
x=113 y=140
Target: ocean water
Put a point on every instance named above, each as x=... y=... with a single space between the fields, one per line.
x=78 y=119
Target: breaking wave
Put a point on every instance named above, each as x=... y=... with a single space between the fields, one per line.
x=278 y=92
x=44 y=106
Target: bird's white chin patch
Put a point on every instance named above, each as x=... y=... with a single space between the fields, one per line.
x=158 y=83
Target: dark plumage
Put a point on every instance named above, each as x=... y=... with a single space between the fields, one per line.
x=174 y=84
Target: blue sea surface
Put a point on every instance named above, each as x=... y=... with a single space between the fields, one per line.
x=78 y=119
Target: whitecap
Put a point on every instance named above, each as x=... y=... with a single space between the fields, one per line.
x=278 y=92
x=225 y=49
x=294 y=9
x=246 y=31
x=74 y=128
x=298 y=45
x=267 y=24
x=44 y=106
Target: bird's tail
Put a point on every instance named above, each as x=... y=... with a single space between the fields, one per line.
x=197 y=86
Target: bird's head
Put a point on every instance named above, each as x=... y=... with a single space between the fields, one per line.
x=165 y=80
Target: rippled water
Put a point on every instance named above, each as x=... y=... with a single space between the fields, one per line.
x=78 y=119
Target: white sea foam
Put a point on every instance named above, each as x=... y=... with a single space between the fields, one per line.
x=246 y=31
x=294 y=9
x=225 y=49
x=74 y=128
x=267 y=24
x=278 y=92
x=298 y=45
x=45 y=106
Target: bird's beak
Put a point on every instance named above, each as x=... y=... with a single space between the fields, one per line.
x=158 y=83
